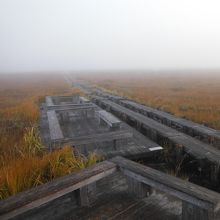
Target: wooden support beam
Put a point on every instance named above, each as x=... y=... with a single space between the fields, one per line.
x=86 y=195
x=215 y=174
x=193 y=212
x=137 y=188
x=115 y=144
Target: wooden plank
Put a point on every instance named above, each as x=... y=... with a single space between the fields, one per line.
x=33 y=198
x=183 y=190
x=88 y=139
x=133 y=152
x=54 y=126
x=72 y=107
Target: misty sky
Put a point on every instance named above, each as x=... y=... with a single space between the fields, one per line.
x=38 y=35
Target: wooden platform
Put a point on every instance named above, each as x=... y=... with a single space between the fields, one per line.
x=88 y=135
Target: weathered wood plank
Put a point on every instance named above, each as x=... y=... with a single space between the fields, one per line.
x=71 y=107
x=170 y=120
x=33 y=198
x=54 y=126
x=95 y=138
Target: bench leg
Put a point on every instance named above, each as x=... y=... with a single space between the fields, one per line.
x=192 y=212
x=114 y=144
x=138 y=126
x=86 y=195
x=138 y=189
x=215 y=174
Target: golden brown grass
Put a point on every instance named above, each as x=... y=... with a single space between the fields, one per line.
x=196 y=97
x=32 y=170
x=24 y=162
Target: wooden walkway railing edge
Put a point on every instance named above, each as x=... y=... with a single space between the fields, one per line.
x=198 y=202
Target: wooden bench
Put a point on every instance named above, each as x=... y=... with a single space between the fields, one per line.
x=54 y=126
x=81 y=182
x=83 y=100
x=198 y=203
x=110 y=119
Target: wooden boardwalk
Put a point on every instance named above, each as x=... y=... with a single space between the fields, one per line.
x=193 y=129
x=155 y=130
x=79 y=125
x=128 y=194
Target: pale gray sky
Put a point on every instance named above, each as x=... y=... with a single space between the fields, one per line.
x=40 y=35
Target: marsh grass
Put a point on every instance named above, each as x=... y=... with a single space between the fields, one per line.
x=193 y=97
x=32 y=170
x=24 y=162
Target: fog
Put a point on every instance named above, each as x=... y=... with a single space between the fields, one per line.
x=56 y=35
